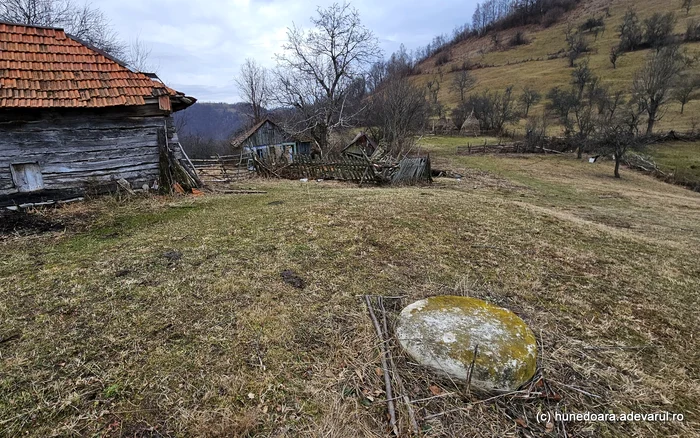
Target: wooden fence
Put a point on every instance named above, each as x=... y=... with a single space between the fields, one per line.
x=487 y=149
x=224 y=168
x=339 y=168
x=408 y=171
x=554 y=145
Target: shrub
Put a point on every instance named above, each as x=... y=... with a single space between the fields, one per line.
x=692 y=32
x=658 y=29
x=442 y=59
x=631 y=35
x=591 y=24
x=518 y=39
x=552 y=16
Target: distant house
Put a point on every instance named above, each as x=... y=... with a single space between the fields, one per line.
x=267 y=139
x=73 y=119
x=360 y=146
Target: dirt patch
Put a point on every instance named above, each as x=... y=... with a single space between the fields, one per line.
x=23 y=223
x=292 y=279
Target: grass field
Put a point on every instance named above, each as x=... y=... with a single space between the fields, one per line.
x=169 y=317
x=681 y=159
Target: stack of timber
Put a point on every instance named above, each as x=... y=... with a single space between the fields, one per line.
x=224 y=168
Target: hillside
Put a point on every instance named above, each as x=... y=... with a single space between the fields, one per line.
x=542 y=64
x=214 y=121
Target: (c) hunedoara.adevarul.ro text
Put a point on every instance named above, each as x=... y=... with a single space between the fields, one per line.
x=566 y=417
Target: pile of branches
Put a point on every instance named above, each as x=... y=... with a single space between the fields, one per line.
x=645 y=164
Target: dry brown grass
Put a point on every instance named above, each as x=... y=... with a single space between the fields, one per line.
x=114 y=339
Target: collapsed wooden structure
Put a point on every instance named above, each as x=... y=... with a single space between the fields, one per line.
x=74 y=120
x=361 y=170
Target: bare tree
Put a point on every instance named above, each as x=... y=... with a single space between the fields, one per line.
x=618 y=135
x=529 y=98
x=654 y=81
x=561 y=103
x=37 y=12
x=581 y=77
x=83 y=22
x=579 y=108
x=658 y=29
x=138 y=56
x=433 y=85
x=253 y=85
x=615 y=54
x=398 y=111
x=685 y=87
x=537 y=130
x=631 y=34
x=319 y=67
x=462 y=83
x=576 y=44
x=494 y=110
x=687 y=5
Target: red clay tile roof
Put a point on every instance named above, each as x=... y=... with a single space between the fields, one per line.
x=46 y=68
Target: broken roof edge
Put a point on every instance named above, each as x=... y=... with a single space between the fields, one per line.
x=183 y=103
x=357 y=137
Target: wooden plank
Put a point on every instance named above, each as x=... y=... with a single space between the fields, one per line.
x=60 y=156
x=104 y=165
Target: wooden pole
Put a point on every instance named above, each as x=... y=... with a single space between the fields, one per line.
x=387 y=378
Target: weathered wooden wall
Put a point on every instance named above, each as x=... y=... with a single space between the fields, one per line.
x=267 y=135
x=81 y=150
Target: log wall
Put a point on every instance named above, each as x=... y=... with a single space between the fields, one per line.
x=80 y=150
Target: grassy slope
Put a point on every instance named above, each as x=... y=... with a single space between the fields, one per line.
x=682 y=159
x=114 y=339
x=543 y=74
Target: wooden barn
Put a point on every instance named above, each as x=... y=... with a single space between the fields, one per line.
x=75 y=120
x=267 y=139
x=360 y=146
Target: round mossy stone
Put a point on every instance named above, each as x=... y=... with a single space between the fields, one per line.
x=442 y=332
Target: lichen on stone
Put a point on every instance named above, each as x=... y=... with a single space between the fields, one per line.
x=442 y=332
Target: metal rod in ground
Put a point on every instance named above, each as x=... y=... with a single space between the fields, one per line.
x=397 y=376
x=387 y=378
x=471 y=369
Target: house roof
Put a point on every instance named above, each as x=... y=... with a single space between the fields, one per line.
x=247 y=134
x=238 y=141
x=357 y=138
x=44 y=67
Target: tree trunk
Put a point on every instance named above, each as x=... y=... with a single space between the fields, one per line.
x=650 y=125
x=618 y=159
x=682 y=107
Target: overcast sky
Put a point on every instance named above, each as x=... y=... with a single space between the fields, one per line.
x=198 y=45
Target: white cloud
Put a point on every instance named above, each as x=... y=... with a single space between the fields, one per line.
x=199 y=45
